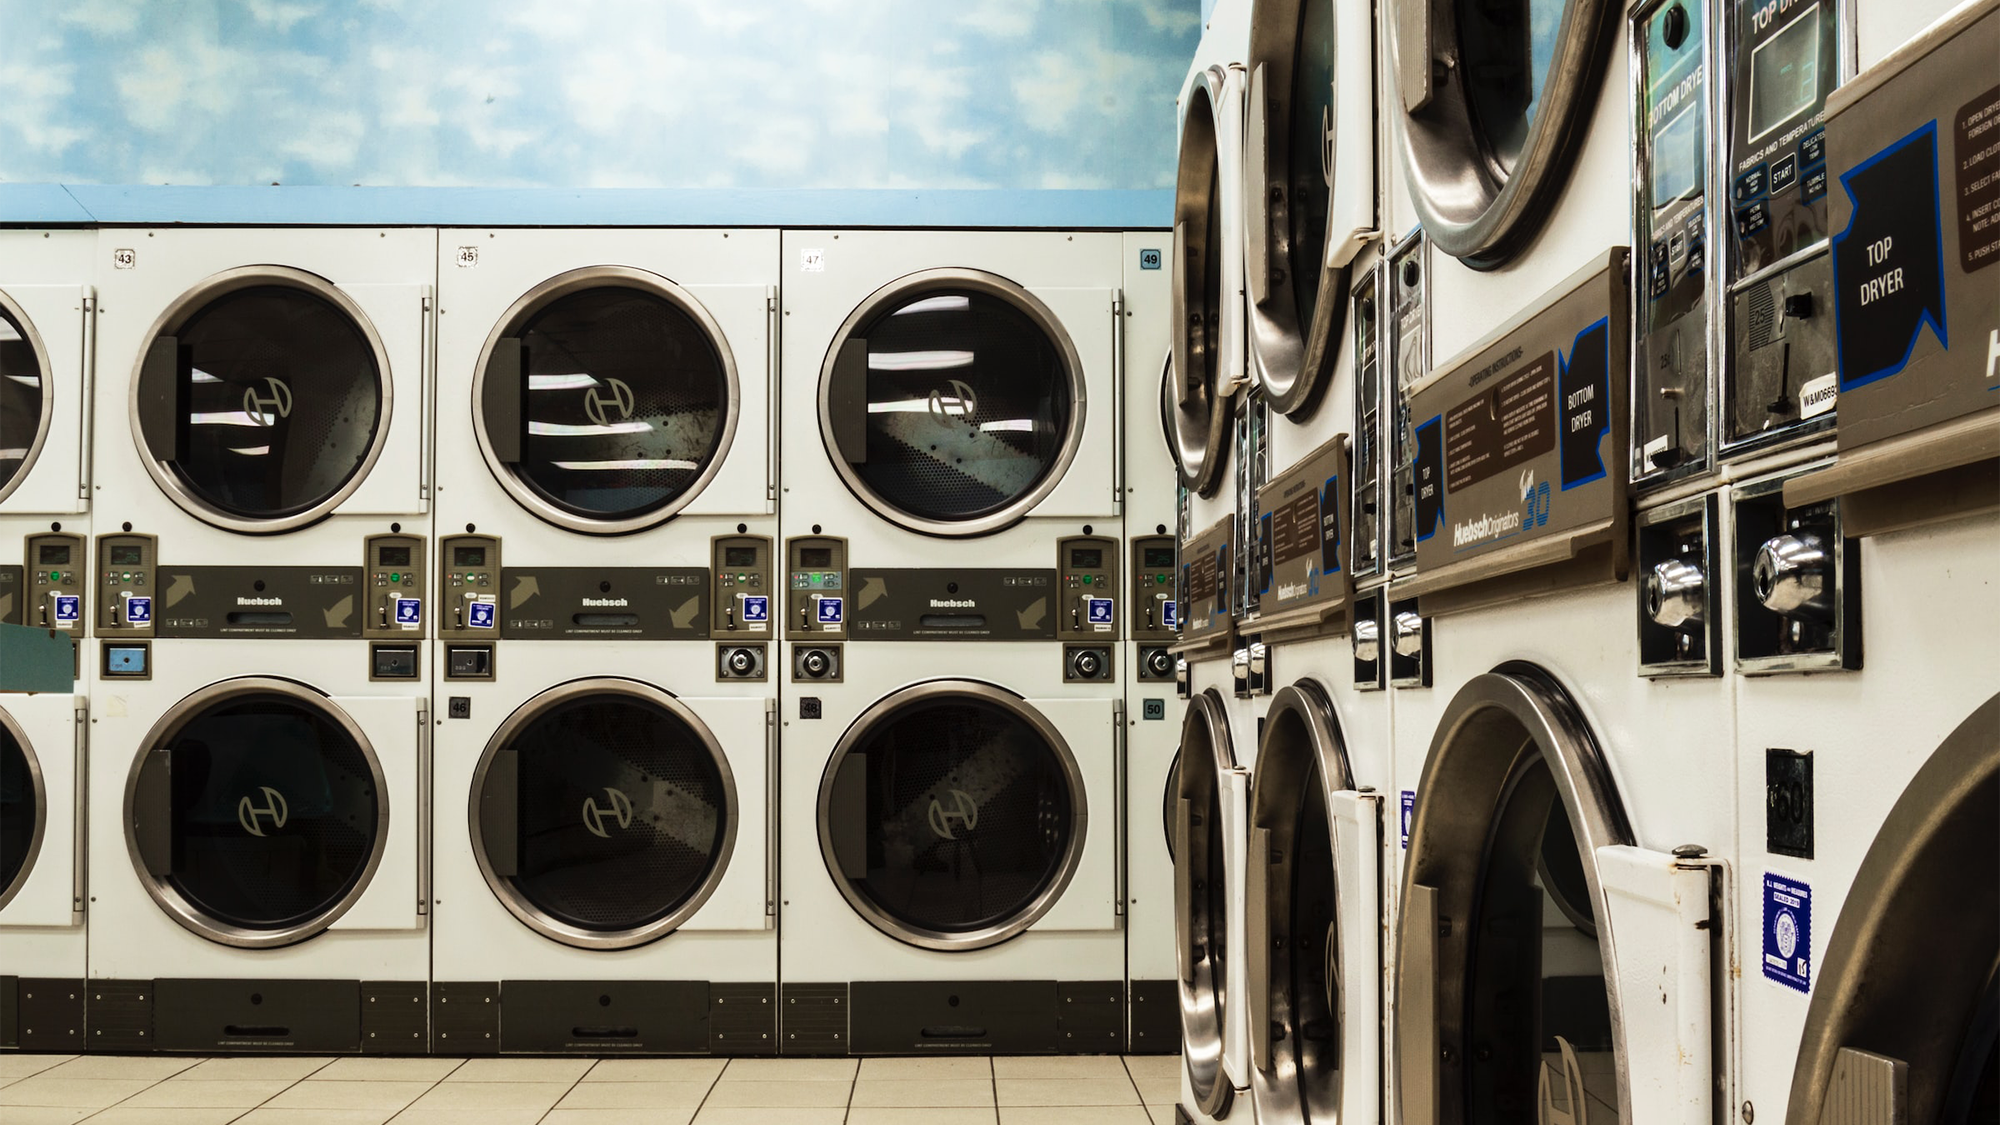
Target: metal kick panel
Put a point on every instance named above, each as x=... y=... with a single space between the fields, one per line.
x=465 y=1017
x=604 y=603
x=543 y=1017
x=395 y=1018
x=742 y=1019
x=258 y=1016
x=51 y=1014
x=812 y=1019
x=988 y=1017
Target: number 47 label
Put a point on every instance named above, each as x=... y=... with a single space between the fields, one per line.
x=812 y=261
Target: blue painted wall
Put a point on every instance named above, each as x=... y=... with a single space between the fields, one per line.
x=921 y=94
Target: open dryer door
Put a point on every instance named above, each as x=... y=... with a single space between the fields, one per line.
x=1207 y=277
x=1203 y=899
x=41 y=766
x=1313 y=905
x=42 y=394
x=1308 y=187
x=1547 y=968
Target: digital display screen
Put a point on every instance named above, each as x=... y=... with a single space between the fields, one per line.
x=392 y=556
x=1784 y=73
x=816 y=558
x=53 y=554
x=127 y=554
x=1677 y=158
x=1159 y=558
x=468 y=556
x=1086 y=558
x=739 y=556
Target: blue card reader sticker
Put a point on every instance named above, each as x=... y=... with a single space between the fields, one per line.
x=409 y=612
x=482 y=614
x=829 y=611
x=1098 y=610
x=1409 y=810
x=756 y=608
x=69 y=610
x=1788 y=932
x=1170 y=615
x=138 y=609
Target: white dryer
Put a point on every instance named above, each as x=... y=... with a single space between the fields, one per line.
x=1210 y=796
x=951 y=395
x=950 y=807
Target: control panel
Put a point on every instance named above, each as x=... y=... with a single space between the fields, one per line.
x=1409 y=348
x=128 y=582
x=395 y=588
x=469 y=587
x=1151 y=601
x=57 y=591
x=1253 y=462
x=1366 y=506
x=1784 y=59
x=1087 y=575
x=1670 y=410
x=741 y=602
x=816 y=588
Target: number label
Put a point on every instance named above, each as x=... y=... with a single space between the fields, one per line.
x=124 y=259
x=468 y=257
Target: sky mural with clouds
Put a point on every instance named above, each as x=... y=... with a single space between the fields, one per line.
x=594 y=93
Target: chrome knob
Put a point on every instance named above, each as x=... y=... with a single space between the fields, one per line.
x=815 y=663
x=1674 y=592
x=1409 y=635
x=1793 y=576
x=1088 y=664
x=1368 y=640
x=741 y=662
x=1159 y=663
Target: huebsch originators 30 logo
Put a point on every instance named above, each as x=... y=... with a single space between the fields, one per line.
x=963 y=809
x=274 y=809
x=620 y=811
x=275 y=403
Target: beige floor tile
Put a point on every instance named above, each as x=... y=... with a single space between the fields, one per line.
x=789 y=1070
x=462 y=1115
x=387 y=1070
x=14 y=1065
x=521 y=1070
x=1067 y=1091
x=78 y=1093
x=129 y=1114
x=655 y=1070
x=633 y=1095
x=494 y=1095
x=316 y=1094
x=923 y=1092
x=948 y=1115
x=1153 y=1066
x=945 y=1067
x=787 y=1094
x=44 y=1114
x=674 y=1115
x=181 y=1093
x=1060 y=1066
x=1075 y=1115
x=739 y=1115
x=276 y=1115
x=1157 y=1089
x=150 y=1067
x=253 y=1068
x=1162 y=1114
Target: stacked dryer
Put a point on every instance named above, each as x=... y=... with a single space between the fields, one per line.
x=953 y=693
x=260 y=736
x=605 y=881
x=46 y=306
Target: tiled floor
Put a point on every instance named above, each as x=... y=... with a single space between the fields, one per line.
x=156 y=1090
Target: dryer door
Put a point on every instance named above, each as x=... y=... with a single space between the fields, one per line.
x=42 y=331
x=604 y=812
x=258 y=811
x=264 y=400
x=1206 y=368
x=608 y=399
x=1202 y=898
x=953 y=816
x=953 y=401
x=40 y=873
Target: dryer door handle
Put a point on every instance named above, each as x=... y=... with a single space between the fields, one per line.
x=153 y=814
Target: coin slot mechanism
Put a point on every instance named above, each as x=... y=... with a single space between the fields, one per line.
x=469 y=587
x=128 y=600
x=1679 y=607
x=816 y=588
x=1371 y=670
x=1797 y=585
x=1151 y=599
x=58 y=590
x=743 y=603
x=740 y=662
x=128 y=660
x=393 y=661
x=468 y=662
x=395 y=589
x=1409 y=638
x=819 y=664
x=1087 y=575
x=1087 y=664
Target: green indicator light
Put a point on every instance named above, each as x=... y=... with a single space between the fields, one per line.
x=1086 y=579
x=394 y=577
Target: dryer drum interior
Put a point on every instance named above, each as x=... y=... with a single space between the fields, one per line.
x=603 y=813
x=952 y=401
x=1297 y=1022
x=1196 y=412
x=1523 y=1001
x=952 y=816
x=23 y=809
x=25 y=398
x=1201 y=899
x=1298 y=302
x=262 y=398
x=606 y=399
x=1497 y=97
x=257 y=813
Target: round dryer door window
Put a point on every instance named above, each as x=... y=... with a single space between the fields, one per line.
x=262 y=399
x=257 y=813
x=606 y=400
x=603 y=813
x=1195 y=403
x=22 y=809
x=952 y=402
x=952 y=815
x=24 y=398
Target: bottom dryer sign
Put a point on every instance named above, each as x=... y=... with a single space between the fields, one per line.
x=1523 y=437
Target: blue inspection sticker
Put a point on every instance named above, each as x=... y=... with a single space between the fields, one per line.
x=1170 y=616
x=1409 y=811
x=69 y=610
x=139 y=610
x=409 y=612
x=482 y=614
x=1788 y=932
x=1098 y=610
x=756 y=609
x=830 y=611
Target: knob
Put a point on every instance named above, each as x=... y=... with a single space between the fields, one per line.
x=1793 y=576
x=1159 y=663
x=1367 y=640
x=815 y=663
x=1674 y=591
x=741 y=662
x=1087 y=664
x=1409 y=634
